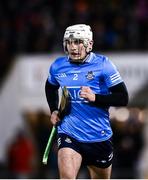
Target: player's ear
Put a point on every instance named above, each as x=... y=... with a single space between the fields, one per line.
x=90 y=49
x=65 y=47
x=91 y=43
x=90 y=46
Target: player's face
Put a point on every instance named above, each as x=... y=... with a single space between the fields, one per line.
x=76 y=49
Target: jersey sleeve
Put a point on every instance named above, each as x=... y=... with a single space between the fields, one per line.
x=51 y=76
x=111 y=75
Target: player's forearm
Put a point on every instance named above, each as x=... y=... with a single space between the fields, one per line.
x=118 y=97
x=52 y=97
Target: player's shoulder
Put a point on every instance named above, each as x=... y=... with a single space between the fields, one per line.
x=100 y=58
x=59 y=61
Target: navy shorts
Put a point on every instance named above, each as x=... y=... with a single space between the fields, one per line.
x=99 y=154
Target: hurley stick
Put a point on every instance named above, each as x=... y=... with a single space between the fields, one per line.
x=63 y=110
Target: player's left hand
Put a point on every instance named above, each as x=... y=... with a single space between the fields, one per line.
x=87 y=93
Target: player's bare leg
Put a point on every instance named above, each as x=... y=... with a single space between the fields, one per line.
x=100 y=173
x=69 y=162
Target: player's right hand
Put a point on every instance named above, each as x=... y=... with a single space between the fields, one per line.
x=54 y=117
x=87 y=93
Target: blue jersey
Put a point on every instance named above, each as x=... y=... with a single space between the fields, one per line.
x=86 y=122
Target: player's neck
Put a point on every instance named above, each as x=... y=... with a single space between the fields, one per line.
x=80 y=61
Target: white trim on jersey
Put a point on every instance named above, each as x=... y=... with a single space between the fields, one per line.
x=115 y=77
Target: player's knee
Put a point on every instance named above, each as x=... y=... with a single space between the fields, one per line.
x=67 y=175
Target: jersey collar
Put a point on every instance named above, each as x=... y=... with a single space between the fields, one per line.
x=88 y=58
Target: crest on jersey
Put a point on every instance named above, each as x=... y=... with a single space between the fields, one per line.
x=90 y=75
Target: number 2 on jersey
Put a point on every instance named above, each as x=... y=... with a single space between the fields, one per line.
x=75 y=77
